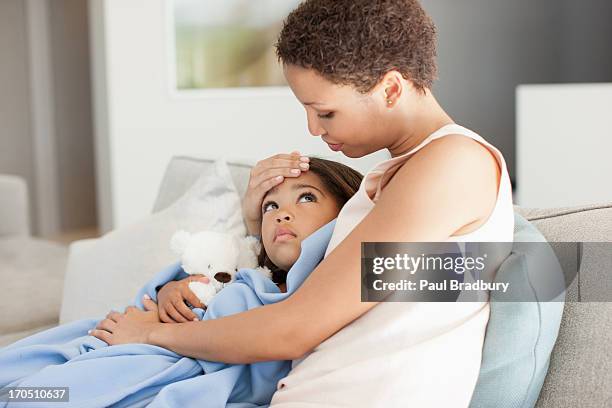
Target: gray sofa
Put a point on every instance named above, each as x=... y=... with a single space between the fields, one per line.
x=580 y=373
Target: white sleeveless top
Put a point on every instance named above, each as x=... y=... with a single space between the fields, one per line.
x=418 y=354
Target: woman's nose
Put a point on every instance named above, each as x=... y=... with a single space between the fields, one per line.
x=314 y=126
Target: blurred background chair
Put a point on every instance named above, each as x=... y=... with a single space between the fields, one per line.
x=32 y=270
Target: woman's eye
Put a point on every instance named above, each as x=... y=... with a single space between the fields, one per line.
x=309 y=195
x=327 y=115
x=267 y=205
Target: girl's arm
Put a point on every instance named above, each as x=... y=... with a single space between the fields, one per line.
x=450 y=183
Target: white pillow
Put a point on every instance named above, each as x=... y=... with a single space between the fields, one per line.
x=106 y=273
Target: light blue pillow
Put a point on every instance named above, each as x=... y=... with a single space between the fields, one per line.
x=520 y=335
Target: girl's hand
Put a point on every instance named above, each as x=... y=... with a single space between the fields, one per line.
x=265 y=175
x=133 y=326
x=171 y=298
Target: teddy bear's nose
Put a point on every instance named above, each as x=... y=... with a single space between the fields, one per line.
x=223 y=277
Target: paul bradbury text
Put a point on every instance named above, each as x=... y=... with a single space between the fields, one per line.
x=452 y=284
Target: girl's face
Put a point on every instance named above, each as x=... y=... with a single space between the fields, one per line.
x=341 y=114
x=291 y=211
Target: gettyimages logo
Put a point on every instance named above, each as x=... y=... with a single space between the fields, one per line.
x=479 y=271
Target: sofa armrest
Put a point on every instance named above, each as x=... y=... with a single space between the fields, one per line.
x=14 y=217
x=33 y=271
x=77 y=292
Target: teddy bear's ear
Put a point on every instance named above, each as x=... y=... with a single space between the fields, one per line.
x=252 y=244
x=249 y=250
x=179 y=242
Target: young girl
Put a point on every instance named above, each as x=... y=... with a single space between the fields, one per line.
x=363 y=70
x=318 y=196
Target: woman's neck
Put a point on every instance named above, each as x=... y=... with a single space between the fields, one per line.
x=415 y=121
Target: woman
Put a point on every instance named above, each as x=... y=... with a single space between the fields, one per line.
x=363 y=71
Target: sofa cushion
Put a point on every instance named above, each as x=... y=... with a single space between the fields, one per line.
x=520 y=335
x=182 y=173
x=32 y=272
x=10 y=338
x=580 y=371
x=105 y=273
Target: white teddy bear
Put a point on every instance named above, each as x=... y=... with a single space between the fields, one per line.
x=216 y=255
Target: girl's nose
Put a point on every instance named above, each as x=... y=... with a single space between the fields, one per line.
x=283 y=217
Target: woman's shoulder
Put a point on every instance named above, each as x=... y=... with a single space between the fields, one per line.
x=453 y=179
x=455 y=158
x=463 y=145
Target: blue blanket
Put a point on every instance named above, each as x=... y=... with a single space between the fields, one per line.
x=138 y=375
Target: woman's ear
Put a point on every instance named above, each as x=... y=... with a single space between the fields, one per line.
x=392 y=85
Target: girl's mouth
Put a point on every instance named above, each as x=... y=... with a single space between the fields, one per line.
x=283 y=237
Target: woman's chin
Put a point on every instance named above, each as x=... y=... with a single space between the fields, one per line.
x=352 y=153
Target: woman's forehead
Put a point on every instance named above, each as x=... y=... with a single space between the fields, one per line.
x=310 y=87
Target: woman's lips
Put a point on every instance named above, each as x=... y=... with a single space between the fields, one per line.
x=335 y=147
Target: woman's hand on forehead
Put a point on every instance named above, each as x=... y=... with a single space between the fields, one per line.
x=281 y=161
x=265 y=175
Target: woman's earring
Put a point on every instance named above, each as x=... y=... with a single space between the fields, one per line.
x=389 y=101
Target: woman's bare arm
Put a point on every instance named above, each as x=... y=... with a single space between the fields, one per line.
x=450 y=183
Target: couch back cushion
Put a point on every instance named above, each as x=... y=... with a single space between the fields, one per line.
x=580 y=371
x=106 y=273
x=182 y=173
x=520 y=336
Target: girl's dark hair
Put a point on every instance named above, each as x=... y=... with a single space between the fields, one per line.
x=341 y=181
x=356 y=42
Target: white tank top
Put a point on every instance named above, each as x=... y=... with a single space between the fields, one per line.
x=419 y=354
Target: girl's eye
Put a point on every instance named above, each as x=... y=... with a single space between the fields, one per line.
x=310 y=195
x=327 y=115
x=312 y=198
x=268 y=204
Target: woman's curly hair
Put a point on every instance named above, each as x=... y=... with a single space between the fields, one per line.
x=356 y=42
